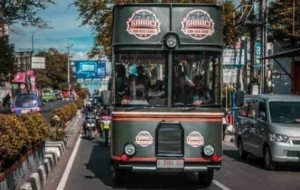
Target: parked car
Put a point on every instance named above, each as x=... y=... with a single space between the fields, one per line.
x=268 y=126
x=27 y=102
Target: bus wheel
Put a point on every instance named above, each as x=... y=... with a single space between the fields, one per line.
x=205 y=178
x=119 y=176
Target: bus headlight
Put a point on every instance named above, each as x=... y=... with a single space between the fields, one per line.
x=208 y=150
x=129 y=149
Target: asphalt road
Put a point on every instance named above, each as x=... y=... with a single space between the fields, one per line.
x=91 y=170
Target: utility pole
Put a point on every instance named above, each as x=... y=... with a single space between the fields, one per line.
x=68 y=67
x=263 y=43
x=32 y=42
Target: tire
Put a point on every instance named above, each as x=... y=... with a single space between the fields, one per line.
x=119 y=177
x=106 y=134
x=268 y=162
x=206 y=178
x=242 y=154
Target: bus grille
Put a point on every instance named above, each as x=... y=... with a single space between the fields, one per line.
x=169 y=138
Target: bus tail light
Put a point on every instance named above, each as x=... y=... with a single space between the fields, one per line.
x=215 y=158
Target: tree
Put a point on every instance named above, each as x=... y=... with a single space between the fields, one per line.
x=98 y=15
x=23 y=11
x=7 y=59
x=55 y=73
x=284 y=21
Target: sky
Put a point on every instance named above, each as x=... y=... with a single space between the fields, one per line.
x=66 y=31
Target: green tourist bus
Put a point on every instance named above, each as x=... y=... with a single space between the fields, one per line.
x=166 y=89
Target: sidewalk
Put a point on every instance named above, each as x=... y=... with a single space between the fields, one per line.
x=229 y=138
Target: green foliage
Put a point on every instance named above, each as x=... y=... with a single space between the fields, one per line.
x=98 y=15
x=36 y=126
x=57 y=130
x=281 y=20
x=13 y=139
x=65 y=113
x=7 y=59
x=55 y=73
x=19 y=134
x=59 y=119
x=24 y=12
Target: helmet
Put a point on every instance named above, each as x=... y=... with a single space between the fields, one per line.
x=90 y=108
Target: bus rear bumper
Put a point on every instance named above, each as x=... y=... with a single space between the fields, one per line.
x=151 y=167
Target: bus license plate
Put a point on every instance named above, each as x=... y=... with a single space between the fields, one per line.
x=161 y=163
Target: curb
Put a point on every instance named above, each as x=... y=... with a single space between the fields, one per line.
x=229 y=138
x=53 y=152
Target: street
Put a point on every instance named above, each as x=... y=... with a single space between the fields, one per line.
x=89 y=168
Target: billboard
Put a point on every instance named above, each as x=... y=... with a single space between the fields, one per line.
x=89 y=69
x=232 y=57
x=38 y=62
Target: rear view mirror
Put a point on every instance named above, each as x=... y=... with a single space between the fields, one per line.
x=106 y=98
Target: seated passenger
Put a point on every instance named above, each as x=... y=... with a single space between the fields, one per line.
x=142 y=81
x=182 y=85
x=121 y=82
x=200 y=91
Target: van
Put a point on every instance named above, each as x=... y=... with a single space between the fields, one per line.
x=48 y=94
x=268 y=126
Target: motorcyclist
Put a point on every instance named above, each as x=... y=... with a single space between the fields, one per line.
x=105 y=111
x=88 y=110
x=6 y=100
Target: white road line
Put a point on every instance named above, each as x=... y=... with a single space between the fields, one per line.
x=217 y=183
x=67 y=171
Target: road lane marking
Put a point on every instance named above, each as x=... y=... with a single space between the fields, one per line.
x=63 y=180
x=219 y=184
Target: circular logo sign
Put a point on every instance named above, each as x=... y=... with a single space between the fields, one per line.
x=22 y=86
x=198 y=24
x=144 y=139
x=143 y=24
x=195 y=139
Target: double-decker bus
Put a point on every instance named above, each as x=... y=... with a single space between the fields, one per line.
x=166 y=89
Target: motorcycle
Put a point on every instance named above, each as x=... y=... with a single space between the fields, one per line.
x=105 y=127
x=90 y=124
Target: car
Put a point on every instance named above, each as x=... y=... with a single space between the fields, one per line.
x=48 y=94
x=268 y=126
x=26 y=102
